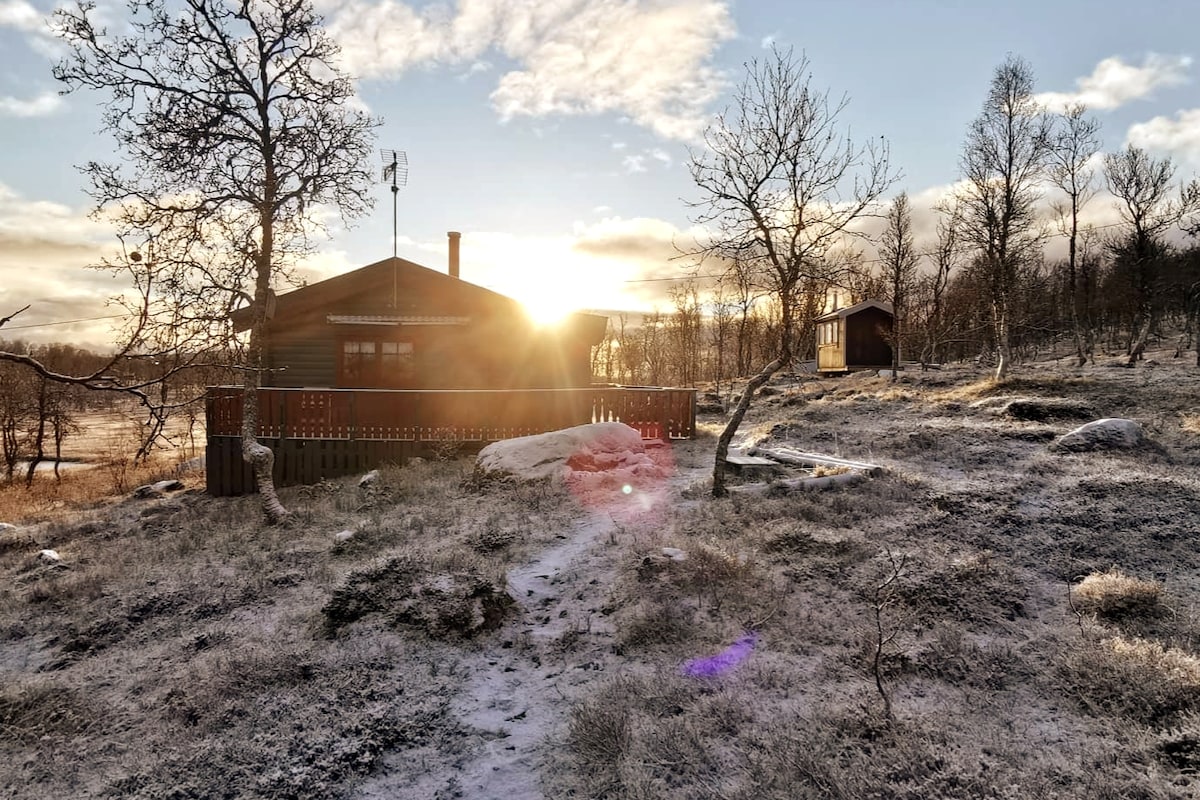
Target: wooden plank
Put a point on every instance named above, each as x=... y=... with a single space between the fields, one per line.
x=750 y=461
x=801 y=484
x=787 y=455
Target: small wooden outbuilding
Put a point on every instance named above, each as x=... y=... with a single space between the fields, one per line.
x=854 y=338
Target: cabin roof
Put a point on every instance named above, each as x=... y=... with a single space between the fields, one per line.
x=848 y=311
x=396 y=291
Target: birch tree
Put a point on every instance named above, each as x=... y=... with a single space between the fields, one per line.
x=898 y=254
x=1002 y=163
x=235 y=130
x=781 y=184
x=1149 y=206
x=1076 y=142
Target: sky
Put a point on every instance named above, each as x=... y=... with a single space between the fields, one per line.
x=555 y=134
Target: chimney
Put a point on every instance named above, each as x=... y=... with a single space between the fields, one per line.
x=454 y=237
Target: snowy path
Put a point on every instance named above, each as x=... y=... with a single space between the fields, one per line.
x=521 y=685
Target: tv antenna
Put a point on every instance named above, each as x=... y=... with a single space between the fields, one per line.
x=395 y=170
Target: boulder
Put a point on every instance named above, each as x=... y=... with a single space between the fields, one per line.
x=1038 y=409
x=584 y=448
x=157 y=489
x=1102 y=434
x=675 y=554
x=370 y=479
x=7 y=528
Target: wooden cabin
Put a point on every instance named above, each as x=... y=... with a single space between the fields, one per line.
x=854 y=338
x=394 y=360
x=395 y=324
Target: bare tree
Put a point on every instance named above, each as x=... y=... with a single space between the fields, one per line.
x=1002 y=162
x=898 y=253
x=719 y=330
x=932 y=288
x=684 y=333
x=1076 y=142
x=781 y=186
x=237 y=129
x=1147 y=204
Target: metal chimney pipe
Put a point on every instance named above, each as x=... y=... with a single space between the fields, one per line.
x=454 y=237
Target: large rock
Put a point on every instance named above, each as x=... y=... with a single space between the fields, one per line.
x=1103 y=434
x=584 y=448
x=1035 y=409
x=151 y=490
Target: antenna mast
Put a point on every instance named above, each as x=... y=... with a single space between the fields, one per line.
x=395 y=169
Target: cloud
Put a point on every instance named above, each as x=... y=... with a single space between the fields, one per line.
x=22 y=16
x=634 y=164
x=1178 y=136
x=44 y=104
x=45 y=250
x=647 y=60
x=1114 y=83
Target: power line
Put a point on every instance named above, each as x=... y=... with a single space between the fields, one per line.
x=61 y=322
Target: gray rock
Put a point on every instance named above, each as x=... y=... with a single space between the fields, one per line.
x=675 y=554
x=6 y=528
x=370 y=479
x=343 y=536
x=151 y=490
x=1103 y=434
x=1039 y=409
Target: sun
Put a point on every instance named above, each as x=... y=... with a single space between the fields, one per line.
x=548 y=307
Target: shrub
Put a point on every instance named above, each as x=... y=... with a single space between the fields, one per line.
x=1115 y=595
x=1134 y=678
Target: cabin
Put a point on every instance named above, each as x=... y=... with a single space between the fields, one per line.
x=855 y=338
x=396 y=360
x=395 y=324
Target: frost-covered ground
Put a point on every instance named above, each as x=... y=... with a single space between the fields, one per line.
x=914 y=636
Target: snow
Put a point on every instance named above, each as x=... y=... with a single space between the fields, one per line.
x=599 y=445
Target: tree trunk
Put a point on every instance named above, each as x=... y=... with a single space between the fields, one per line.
x=1138 y=347
x=1003 y=346
x=739 y=412
x=258 y=455
x=39 y=447
x=896 y=346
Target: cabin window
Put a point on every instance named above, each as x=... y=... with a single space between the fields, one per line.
x=828 y=333
x=376 y=363
x=396 y=363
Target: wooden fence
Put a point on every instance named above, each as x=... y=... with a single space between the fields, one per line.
x=326 y=433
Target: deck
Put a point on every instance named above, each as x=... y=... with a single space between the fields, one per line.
x=327 y=433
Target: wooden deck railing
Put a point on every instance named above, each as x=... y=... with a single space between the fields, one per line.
x=329 y=432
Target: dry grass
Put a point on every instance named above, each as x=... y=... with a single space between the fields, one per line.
x=80 y=488
x=1115 y=595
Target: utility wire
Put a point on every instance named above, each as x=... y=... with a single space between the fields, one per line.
x=61 y=322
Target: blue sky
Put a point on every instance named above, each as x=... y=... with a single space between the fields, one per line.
x=554 y=133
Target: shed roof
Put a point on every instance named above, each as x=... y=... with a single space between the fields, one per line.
x=848 y=311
